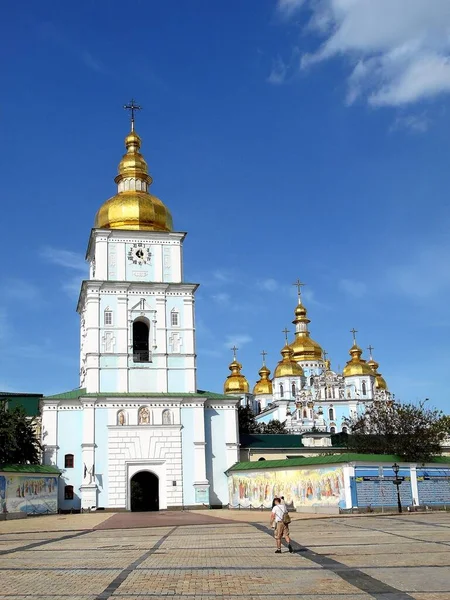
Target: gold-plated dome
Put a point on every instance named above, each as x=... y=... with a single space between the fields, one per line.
x=133 y=207
x=380 y=382
x=303 y=347
x=356 y=365
x=288 y=367
x=235 y=383
x=264 y=384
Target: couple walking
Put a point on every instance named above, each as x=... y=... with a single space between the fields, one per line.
x=279 y=520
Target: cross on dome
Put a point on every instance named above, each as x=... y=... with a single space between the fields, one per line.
x=285 y=331
x=264 y=354
x=298 y=284
x=354 y=332
x=370 y=349
x=234 y=350
x=132 y=107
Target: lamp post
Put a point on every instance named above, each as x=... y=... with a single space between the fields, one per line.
x=397 y=482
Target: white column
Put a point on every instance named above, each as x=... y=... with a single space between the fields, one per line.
x=88 y=487
x=50 y=432
x=414 y=485
x=349 y=471
x=231 y=435
x=199 y=445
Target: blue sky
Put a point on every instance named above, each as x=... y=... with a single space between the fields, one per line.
x=289 y=139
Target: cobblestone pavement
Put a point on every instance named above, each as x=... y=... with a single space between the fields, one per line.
x=388 y=558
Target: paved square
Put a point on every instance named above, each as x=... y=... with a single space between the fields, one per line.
x=202 y=557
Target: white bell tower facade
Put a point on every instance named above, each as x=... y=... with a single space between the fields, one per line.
x=137 y=315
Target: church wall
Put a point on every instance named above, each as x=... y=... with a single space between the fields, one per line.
x=70 y=427
x=216 y=455
x=101 y=452
x=109 y=374
x=187 y=432
x=142 y=379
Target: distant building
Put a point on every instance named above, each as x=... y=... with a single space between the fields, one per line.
x=305 y=393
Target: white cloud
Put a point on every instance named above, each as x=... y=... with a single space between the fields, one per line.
x=222 y=299
x=413 y=123
x=279 y=71
x=398 y=51
x=238 y=340
x=355 y=289
x=64 y=258
x=270 y=285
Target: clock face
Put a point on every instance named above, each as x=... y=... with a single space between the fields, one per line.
x=139 y=254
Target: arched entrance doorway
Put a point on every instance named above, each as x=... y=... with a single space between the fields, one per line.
x=144 y=492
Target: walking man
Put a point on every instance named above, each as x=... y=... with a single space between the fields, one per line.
x=281 y=518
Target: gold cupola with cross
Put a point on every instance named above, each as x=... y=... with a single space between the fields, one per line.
x=133 y=207
x=356 y=365
x=288 y=367
x=304 y=348
x=235 y=383
x=264 y=383
x=380 y=382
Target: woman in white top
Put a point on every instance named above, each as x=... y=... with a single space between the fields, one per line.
x=281 y=528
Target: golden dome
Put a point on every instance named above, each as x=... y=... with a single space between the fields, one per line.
x=303 y=347
x=133 y=207
x=380 y=382
x=288 y=367
x=356 y=365
x=264 y=384
x=235 y=383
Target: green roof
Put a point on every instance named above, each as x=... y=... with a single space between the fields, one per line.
x=81 y=393
x=328 y=459
x=270 y=440
x=50 y=470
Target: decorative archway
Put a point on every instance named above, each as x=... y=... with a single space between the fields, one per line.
x=144 y=492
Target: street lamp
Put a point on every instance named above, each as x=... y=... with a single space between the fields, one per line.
x=397 y=482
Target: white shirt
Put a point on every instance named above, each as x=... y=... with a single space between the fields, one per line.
x=278 y=512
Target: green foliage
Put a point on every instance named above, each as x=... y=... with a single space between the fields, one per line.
x=248 y=424
x=18 y=443
x=411 y=431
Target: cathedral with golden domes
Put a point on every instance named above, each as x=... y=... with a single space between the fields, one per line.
x=305 y=393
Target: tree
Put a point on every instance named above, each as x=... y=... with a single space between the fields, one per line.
x=411 y=431
x=18 y=442
x=247 y=421
x=274 y=426
x=248 y=424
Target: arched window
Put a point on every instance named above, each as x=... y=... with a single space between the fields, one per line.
x=140 y=341
x=68 y=461
x=174 y=318
x=68 y=492
x=331 y=413
x=281 y=390
x=293 y=390
x=305 y=413
x=364 y=389
x=167 y=418
x=311 y=381
x=332 y=429
x=262 y=458
x=121 y=418
x=108 y=317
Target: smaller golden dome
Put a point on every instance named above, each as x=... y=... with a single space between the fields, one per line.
x=235 y=383
x=356 y=365
x=264 y=384
x=303 y=347
x=288 y=367
x=380 y=382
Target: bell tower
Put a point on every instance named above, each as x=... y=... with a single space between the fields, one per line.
x=136 y=311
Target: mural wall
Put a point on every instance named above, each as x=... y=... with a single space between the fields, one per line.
x=30 y=494
x=305 y=487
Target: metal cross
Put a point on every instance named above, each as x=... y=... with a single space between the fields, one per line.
x=325 y=354
x=298 y=284
x=234 y=349
x=132 y=107
x=264 y=354
x=285 y=331
x=370 y=349
x=354 y=331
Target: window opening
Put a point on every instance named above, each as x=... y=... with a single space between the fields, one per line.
x=68 y=492
x=68 y=461
x=140 y=342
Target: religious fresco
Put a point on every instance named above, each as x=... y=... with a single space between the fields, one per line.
x=33 y=495
x=306 y=487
